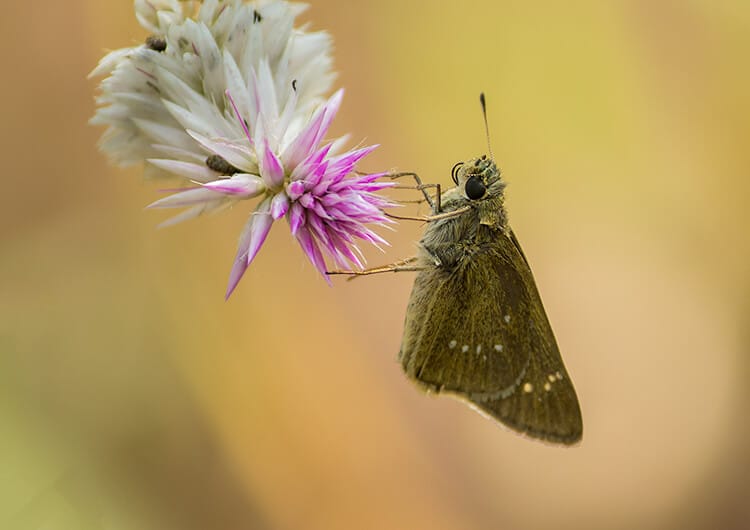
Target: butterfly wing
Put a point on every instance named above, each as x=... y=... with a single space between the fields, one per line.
x=478 y=330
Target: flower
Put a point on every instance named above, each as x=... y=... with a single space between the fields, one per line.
x=231 y=101
x=142 y=81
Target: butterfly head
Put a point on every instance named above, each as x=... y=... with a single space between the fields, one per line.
x=478 y=178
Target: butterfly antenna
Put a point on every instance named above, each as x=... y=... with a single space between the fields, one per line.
x=483 y=102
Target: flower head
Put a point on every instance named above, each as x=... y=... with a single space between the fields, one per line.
x=231 y=100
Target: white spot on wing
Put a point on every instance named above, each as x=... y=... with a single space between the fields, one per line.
x=558 y=375
x=528 y=388
x=506 y=318
x=498 y=347
x=547 y=387
x=452 y=344
x=465 y=348
x=479 y=349
x=551 y=378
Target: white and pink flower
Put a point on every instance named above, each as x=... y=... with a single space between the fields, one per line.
x=232 y=102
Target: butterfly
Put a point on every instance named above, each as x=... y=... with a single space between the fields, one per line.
x=475 y=325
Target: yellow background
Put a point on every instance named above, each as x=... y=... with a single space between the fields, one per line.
x=133 y=397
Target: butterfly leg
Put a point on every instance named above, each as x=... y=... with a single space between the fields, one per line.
x=403 y=265
x=435 y=205
x=430 y=218
x=419 y=188
x=408 y=201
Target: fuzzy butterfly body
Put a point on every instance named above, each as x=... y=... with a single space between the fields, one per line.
x=475 y=326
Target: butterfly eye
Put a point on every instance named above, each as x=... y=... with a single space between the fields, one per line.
x=454 y=172
x=474 y=189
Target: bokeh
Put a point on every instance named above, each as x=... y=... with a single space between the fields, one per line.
x=132 y=396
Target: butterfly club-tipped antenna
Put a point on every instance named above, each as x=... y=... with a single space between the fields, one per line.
x=435 y=204
x=483 y=102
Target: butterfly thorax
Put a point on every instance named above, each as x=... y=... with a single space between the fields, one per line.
x=479 y=191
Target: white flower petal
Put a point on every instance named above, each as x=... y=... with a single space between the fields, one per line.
x=163 y=134
x=189 y=170
x=237 y=88
x=269 y=107
x=195 y=211
x=109 y=62
x=209 y=10
x=203 y=111
x=239 y=156
x=210 y=56
x=185 y=198
x=180 y=154
x=193 y=122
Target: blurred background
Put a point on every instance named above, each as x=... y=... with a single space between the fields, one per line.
x=133 y=397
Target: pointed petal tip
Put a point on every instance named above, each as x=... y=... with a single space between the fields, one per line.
x=230 y=289
x=238 y=270
x=261 y=225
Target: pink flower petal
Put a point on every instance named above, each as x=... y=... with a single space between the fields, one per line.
x=241 y=185
x=270 y=168
x=240 y=262
x=295 y=189
x=344 y=163
x=261 y=222
x=321 y=188
x=372 y=177
x=296 y=218
x=303 y=144
x=330 y=199
x=279 y=206
x=320 y=211
x=309 y=165
x=310 y=136
x=235 y=275
x=310 y=247
x=344 y=249
x=317 y=228
x=331 y=109
x=255 y=232
x=306 y=200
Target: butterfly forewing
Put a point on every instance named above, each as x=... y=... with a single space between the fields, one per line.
x=478 y=329
x=456 y=337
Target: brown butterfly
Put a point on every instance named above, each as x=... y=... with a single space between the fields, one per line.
x=475 y=324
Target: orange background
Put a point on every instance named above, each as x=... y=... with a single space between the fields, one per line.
x=133 y=397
